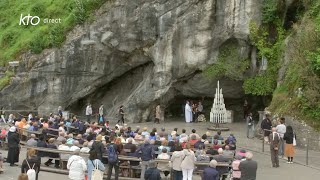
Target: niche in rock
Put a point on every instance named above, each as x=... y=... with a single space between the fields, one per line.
x=293 y=13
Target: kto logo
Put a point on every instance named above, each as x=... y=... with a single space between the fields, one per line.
x=25 y=20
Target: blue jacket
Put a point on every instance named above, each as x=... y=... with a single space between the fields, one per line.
x=210 y=173
x=152 y=174
x=147 y=152
x=91 y=167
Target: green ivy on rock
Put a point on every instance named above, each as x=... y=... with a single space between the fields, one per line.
x=228 y=64
x=270 y=48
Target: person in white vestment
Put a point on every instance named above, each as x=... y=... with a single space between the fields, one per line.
x=188 y=112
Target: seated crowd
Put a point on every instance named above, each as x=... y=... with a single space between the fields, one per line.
x=181 y=153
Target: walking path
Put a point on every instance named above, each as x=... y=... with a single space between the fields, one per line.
x=295 y=171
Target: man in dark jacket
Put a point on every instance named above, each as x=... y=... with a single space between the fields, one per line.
x=115 y=164
x=52 y=155
x=42 y=144
x=221 y=158
x=210 y=173
x=153 y=173
x=147 y=154
x=13 y=144
x=266 y=126
x=248 y=168
x=130 y=146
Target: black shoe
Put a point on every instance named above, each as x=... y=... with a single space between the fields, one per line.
x=58 y=167
x=47 y=164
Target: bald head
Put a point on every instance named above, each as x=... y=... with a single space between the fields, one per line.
x=249 y=155
x=213 y=163
x=220 y=151
x=76 y=143
x=33 y=136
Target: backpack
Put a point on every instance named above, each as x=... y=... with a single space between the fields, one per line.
x=96 y=173
x=112 y=155
x=31 y=172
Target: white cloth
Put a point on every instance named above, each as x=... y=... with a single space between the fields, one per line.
x=61 y=129
x=85 y=150
x=101 y=110
x=200 y=108
x=281 y=129
x=188 y=113
x=187 y=174
x=29 y=117
x=273 y=135
x=88 y=110
x=77 y=167
x=163 y=166
x=63 y=147
x=3 y=118
x=189 y=160
x=11 y=118
x=177 y=157
x=73 y=148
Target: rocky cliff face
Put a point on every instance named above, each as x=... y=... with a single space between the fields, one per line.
x=137 y=53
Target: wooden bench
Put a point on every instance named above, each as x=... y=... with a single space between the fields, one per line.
x=120 y=157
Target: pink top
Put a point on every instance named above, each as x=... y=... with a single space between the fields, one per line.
x=236 y=173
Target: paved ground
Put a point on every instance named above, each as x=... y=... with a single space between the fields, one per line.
x=294 y=171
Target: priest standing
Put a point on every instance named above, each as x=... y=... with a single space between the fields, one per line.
x=188 y=112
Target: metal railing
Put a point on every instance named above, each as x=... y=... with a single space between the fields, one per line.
x=303 y=151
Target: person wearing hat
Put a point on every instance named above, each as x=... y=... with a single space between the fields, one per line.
x=210 y=173
x=153 y=173
x=13 y=145
x=242 y=153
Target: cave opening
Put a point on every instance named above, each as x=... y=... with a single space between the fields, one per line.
x=175 y=108
x=293 y=14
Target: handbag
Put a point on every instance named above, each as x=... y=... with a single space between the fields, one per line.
x=294 y=140
x=96 y=173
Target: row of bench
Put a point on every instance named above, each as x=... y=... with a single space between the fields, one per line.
x=130 y=168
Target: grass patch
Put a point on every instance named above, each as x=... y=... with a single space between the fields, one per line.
x=228 y=65
x=5 y=80
x=16 y=39
x=302 y=73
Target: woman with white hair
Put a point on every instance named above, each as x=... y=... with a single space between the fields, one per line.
x=77 y=166
x=13 y=144
x=210 y=173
